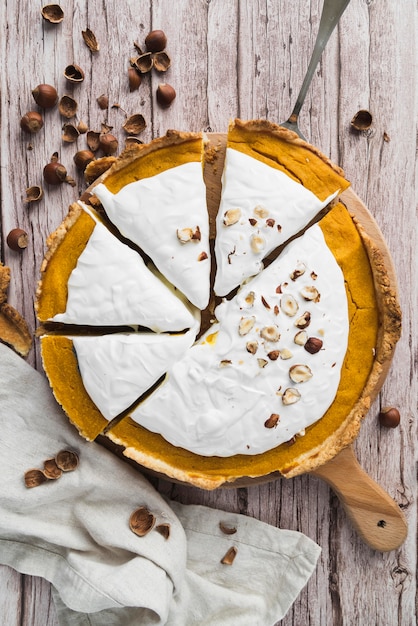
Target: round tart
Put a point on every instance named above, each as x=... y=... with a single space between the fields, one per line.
x=268 y=315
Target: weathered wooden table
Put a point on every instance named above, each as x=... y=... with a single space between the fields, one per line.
x=242 y=58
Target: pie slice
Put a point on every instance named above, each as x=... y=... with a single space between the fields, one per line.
x=115 y=369
x=91 y=278
x=273 y=186
x=165 y=214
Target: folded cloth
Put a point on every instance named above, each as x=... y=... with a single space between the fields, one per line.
x=74 y=532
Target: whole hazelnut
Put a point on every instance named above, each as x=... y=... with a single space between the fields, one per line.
x=17 y=239
x=82 y=158
x=31 y=122
x=389 y=417
x=55 y=173
x=155 y=41
x=45 y=96
x=134 y=79
x=165 y=95
x=108 y=143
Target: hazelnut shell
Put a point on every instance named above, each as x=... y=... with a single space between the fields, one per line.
x=52 y=13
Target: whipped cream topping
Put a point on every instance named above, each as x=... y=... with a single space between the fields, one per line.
x=111 y=285
x=117 y=369
x=268 y=368
x=166 y=216
x=261 y=208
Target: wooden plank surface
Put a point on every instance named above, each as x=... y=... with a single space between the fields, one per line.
x=243 y=58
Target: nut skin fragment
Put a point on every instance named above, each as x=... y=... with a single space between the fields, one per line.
x=229 y=557
x=389 y=417
x=34 y=478
x=272 y=421
x=67 y=460
x=70 y=133
x=141 y=521
x=313 y=345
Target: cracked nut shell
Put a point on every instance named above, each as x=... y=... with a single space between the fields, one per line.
x=74 y=74
x=34 y=478
x=52 y=13
x=66 y=460
x=141 y=521
x=362 y=120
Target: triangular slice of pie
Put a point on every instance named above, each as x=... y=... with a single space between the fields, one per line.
x=164 y=212
x=100 y=281
x=116 y=369
x=273 y=186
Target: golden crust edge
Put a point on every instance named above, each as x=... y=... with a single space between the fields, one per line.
x=171 y=138
x=287 y=135
x=53 y=242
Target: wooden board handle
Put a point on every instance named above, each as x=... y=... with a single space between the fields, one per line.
x=374 y=514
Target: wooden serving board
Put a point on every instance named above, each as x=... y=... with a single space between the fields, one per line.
x=374 y=514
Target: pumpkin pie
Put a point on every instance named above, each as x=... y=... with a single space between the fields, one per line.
x=285 y=364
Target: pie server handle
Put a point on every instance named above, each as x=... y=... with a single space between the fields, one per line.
x=374 y=514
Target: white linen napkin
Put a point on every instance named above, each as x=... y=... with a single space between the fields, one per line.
x=74 y=532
